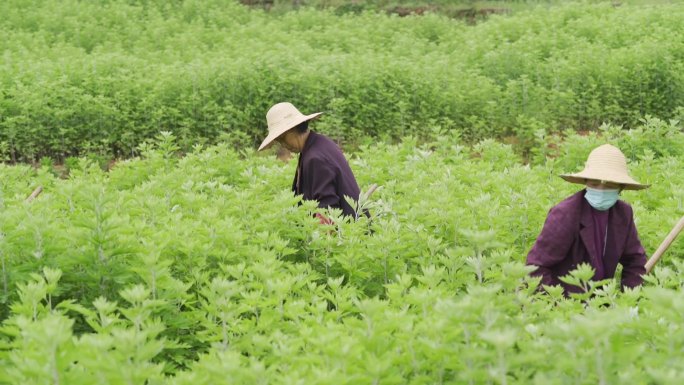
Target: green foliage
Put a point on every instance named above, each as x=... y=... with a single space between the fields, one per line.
x=101 y=78
x=203 y=268
x=470 y=10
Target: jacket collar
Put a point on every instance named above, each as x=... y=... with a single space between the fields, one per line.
x=309 y=142
x=587 y=231
x=587 y=228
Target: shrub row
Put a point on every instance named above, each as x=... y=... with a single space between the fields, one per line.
x=105 y=76
x=192 y=270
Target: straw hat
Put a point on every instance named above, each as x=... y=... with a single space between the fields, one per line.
x=281 y=118
x=606 y=163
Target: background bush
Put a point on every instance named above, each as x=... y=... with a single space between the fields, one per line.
x=102 y=77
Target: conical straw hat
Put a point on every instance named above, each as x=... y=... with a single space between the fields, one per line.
x=281 y=118
x=606 y=163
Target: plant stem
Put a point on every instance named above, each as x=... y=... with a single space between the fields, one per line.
x=53 y=365
x=4 y=275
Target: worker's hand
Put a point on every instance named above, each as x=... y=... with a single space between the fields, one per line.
x=323 y=220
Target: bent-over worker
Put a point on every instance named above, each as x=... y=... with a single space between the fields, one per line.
x=592 y=226
x=323 y=174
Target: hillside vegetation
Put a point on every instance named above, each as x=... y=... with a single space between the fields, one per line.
x=102 y=77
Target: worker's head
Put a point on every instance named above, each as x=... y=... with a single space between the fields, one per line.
x=602 y=195
x=604 y=176
x=295 y=138
x=287 y=126
x=605 y=169
x=603 y=185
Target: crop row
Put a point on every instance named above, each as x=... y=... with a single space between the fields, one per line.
x=105 y=76
x=200 y=269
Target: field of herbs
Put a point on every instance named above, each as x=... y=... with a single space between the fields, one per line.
x=203 y=269
x=102 y=76
x=164 y=250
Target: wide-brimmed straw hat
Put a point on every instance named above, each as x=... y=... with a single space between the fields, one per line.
x=281 y=118
x=606 y=163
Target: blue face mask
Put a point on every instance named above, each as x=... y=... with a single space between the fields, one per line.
x=601 y=200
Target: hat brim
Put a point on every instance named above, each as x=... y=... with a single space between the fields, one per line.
x=627 y=182
x=277 y=131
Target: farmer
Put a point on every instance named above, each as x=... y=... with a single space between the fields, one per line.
x=323 y=173
x=592 y=226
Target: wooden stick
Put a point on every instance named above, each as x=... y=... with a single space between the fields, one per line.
x=663 y=246
x=34 y=194
x=370 y=191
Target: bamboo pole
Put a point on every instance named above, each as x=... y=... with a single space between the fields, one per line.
x=664 y=246
x=370 y=191
x=34 y=194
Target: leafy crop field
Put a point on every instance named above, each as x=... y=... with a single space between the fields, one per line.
x=469 y=10
x=202 y=269
x=100 y=77
x=189 y=261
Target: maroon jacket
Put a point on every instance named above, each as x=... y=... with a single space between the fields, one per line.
x=324 y=175
x=567 y=240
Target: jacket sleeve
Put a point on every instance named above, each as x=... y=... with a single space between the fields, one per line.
x=633 y=259
x=552 y=246
x=323 y=181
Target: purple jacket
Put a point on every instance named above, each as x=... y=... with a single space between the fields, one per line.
x=324 y=175
x=567 y=239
